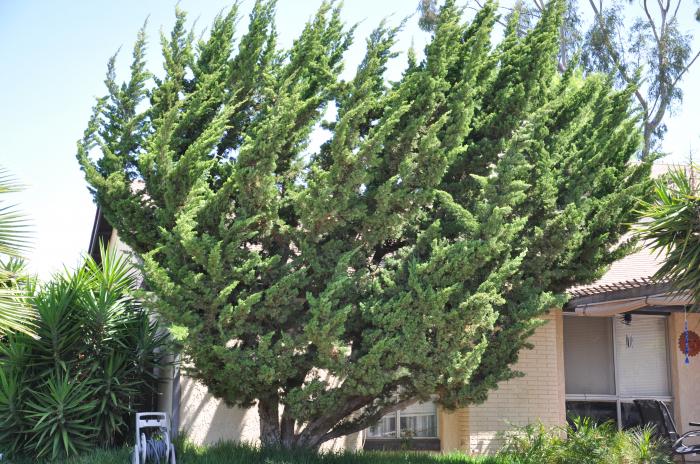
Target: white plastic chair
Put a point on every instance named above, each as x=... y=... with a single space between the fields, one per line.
x=152 y=420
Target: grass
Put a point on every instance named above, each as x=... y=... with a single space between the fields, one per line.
x=586 y=442
x=229 y=453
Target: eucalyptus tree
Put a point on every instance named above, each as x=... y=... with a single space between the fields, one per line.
x=646 y=46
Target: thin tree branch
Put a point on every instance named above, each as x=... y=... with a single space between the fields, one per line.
x=597 y=10
x=680 y=74
x=364 y=422
x=675 y=12
x=651 y=22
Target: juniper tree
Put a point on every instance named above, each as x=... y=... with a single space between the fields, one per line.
x=410 y=257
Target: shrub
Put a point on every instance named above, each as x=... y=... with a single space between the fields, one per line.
x=583 y=441
x=93 y=363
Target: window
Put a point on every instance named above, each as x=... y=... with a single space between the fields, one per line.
x=588 y=356
x=416 y=421
x=610 y=363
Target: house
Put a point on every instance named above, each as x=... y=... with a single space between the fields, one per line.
x=618 y=339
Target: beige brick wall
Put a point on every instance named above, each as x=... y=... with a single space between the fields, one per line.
x=539 y=396
x=453 y=428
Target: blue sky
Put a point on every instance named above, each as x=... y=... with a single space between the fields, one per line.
x=53 y=62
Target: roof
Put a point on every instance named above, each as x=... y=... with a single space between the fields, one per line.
x=633 y=271
x=101 y=232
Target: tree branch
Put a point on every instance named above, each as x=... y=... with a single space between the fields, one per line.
x=651 y=22
x=680 y=74
x=363 y=422
x=614 y=56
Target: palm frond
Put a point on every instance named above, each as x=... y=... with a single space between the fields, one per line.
x=14 y=227
x=672 y=230
x=16 y=314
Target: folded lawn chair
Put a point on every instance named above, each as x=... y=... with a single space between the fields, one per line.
x=656 y=413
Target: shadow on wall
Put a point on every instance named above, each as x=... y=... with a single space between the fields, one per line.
x=351 y=442
x=487 y=443
x=206 y=420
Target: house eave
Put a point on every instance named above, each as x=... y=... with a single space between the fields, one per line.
x=101 y=233
x=616 y=293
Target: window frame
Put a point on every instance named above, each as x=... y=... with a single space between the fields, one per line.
x=397 y=434
x=618 y=398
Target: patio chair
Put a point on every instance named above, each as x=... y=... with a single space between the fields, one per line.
x=656 y=414
x=153 y=439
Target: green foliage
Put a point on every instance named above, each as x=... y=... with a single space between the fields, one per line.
x=412 y=255
x=671 y=229
x=226 y=453
x=584 y=442
x=74 y=387
x=230 y=452
x=15 y=314
x=60 y=414
x=636 y=43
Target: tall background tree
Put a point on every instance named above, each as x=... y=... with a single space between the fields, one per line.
x=646 y=46
x=412 y=255
x=641 y=44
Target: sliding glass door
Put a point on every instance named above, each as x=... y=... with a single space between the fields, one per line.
x=610 y=362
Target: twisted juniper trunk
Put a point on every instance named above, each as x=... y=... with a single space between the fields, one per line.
x=268 y=412
x=280 y=432
x=410 y=257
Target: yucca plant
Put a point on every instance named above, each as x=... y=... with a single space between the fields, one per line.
x=95 y=361
x=61 y=417
x=117 y=393
x=12 y=419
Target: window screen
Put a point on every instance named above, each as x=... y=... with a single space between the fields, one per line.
x=416 y=421
x=588 y=356
x=419 y=420
x=385 y=428
x=642 y=357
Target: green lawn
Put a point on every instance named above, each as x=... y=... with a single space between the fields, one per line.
x=235 y=454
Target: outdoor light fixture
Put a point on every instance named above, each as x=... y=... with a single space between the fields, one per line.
x=626 y=318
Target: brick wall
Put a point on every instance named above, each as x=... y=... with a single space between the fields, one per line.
x=537 y=396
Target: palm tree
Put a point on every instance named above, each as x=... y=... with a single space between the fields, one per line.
x=16 y=315
x=672 y=229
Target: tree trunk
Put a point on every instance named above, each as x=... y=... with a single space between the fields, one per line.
x=268 y=411
x=288 y=435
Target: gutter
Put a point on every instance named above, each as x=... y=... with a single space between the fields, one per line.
x=613 y=307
